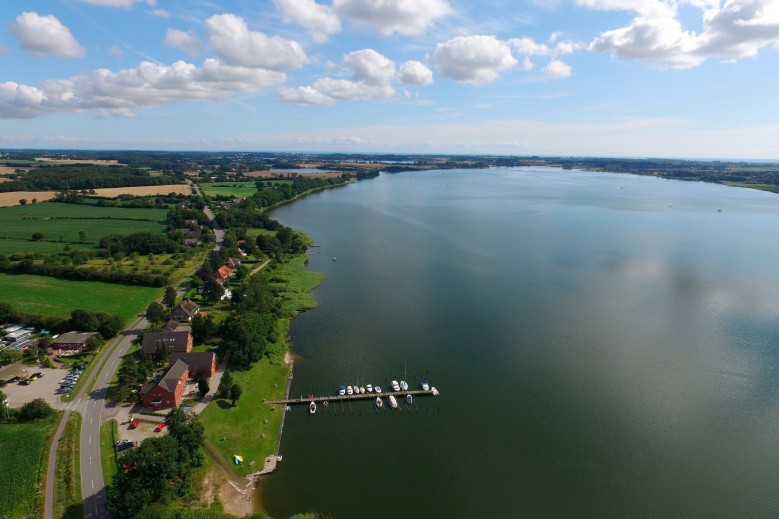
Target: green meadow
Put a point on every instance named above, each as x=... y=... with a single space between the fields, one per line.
x=237 y=189
x=59 y=297
x=62 y=224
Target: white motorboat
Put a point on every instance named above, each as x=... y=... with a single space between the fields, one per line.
x=312 y=407
x=342 y=390
x=362 y=390
x=434 y=391
x=425 y=385
x=409 y=399
x=349 y=390
x=369 y=388
x=404 y=385
x=395 y=386
x=377 y=389
x=393 y=403
x=379 y=402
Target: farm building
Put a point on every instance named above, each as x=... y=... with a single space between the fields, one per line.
x=22 y=345
x=185 y=311
x=71 y=342
x=167 y=392
x=176 y=342
x=17 y=335
x=201 y=363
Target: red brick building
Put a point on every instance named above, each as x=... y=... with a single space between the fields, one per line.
x=201 y=363
x=169 y=390
x=175 y=342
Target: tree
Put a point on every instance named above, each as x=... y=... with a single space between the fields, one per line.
x=246 y=338
x=212 y=292
x=37 y=236
x=22 y=201
x=235 y=393
x=84 y=320
x=202 y=386
x=169 y=299
x=203 y=327
x=34 y=200
x=225 y=385
x=38 y=408
x=108 y=324
x=155 y=313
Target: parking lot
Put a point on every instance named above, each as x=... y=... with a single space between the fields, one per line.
x=44 y=387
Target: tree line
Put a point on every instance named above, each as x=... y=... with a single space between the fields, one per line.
x=64 y=178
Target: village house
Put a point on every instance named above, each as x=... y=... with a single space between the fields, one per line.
x=178 y=341
x=201 y=363
x=233 y=263
x=185 y=311
x=169 y=389
x=71 y=343
x=223 y=274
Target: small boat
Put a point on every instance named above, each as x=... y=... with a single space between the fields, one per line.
x=349 y=390
x=409 y=399
x=362 y=390
x=395 y=386
x=312 y=407
x=326 y=404
x=342 y=390
x=379 y=402
x=369 y=388
x=392 y=401
x=434 y=391
x=377 y=389
x=425 y=385
x=404 y=385
x=333 y=259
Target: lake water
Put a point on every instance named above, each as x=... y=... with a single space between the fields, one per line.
x=605 y=346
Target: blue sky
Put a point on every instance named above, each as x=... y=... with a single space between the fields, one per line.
x=674 y=78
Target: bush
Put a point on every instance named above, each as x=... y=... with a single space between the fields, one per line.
x=38 y=408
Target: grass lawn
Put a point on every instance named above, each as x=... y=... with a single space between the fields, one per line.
x=62 y=224
x=251 y=428
x=237 y=189
x=24 y=449
x=59 y=297
x=109 y=435
x=67 y=491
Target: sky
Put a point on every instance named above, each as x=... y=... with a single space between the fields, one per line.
x=626 y=78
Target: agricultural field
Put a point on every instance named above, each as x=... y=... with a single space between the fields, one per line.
x=12 y=198
x=59 y=297
x=63 y=224
x=237 y=189
x=175 y=266
x=23 y=452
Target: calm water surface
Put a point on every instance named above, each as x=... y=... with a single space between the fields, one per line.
x=605 y=346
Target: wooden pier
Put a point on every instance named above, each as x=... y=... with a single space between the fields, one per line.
x=349 y=398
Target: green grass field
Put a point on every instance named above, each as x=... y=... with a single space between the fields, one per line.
x=67 y=489
x=251 y=428
x=23 y=453
x=62 y=224
x=295 y=283
x=754 y=185
x=237 y=189
x=109 y=435
x=59 y=297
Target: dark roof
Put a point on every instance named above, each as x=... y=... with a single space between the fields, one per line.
x=176 y=341
x=74 y=338
x=198 y=361
x=171 y=379
x=171 y=326
x=187 y=307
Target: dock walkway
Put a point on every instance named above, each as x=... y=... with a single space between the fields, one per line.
x=339 y=398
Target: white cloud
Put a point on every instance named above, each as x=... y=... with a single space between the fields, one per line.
x=527 y=64
x=370 y=67
x=235 y=44
x=473 y=59
x=372 y=75
x=188 y=41
x=117 y=52
x=120 y=93
x=117 y=3
x=736 y=29
x=408 y=17
x=305 y=95
x=45 y=35
x=557 y=69
x=415 y=73
x=320 y=20
x=162 y=13
x=528 y=47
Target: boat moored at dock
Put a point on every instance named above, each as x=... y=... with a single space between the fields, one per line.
x=379 y=402
x=312 y=407
x=392 y=402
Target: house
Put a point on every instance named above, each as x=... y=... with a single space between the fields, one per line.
x=201 y=363
x=171 y=326
x=185 y=311
x=178 y=341
x=233 y=263
x=72 y=342
x=223 y=274
x=169 y=389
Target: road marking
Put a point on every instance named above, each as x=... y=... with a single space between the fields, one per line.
x=90 y=440
x=93 y=483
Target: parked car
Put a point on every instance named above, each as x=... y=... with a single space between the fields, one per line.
x=135 y=423
x=160 y=427
x=14 y=379
x=24 y=382
x=124 y=444
x=38 y=375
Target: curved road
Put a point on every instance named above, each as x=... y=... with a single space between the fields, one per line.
x=91 y=407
